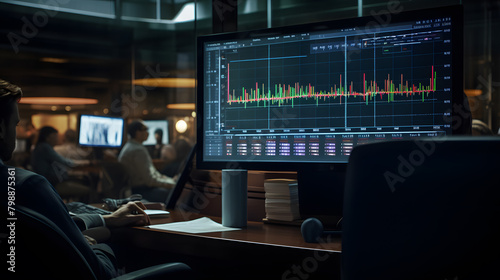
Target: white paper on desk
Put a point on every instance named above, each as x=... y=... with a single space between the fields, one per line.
x=201 y=225
x=153 y=212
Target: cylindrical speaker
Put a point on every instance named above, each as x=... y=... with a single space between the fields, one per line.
x=234 y=198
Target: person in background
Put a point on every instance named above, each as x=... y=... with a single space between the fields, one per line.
x=168 y=153
x=46 y=161
x=182 y=147
x=54 y=167
x=144 y=178
x=70 y=149
x=479 y=128
x=36 y=193
x=159 y=145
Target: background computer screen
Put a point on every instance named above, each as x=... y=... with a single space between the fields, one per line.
x=281 y=97
x=100 y=131
x=153 y=125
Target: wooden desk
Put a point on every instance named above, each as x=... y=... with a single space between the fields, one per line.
x=261 y=251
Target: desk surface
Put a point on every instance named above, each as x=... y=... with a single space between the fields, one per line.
x=256 y=249
x=255 y=232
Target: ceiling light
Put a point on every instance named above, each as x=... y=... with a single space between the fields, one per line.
x=181 y=106
x=54 y=60
x=186 y=13
x=58 y=101
x=166 y=82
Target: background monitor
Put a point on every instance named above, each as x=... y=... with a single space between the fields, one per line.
x=100 y=131
x=153 y=125
x=302 y=97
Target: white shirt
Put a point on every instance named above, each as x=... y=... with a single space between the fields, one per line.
x=139 y=165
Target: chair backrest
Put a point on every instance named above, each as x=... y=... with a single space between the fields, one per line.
x=115 y=179
x=43 y=249
x=423 y=209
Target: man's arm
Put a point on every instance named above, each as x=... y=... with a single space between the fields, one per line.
x=145 y=171
x=53 y=156
x=36 y=193
x=130 y=214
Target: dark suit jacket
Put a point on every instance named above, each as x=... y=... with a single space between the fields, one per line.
x=35 y=192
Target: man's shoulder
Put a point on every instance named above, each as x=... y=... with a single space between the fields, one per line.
x=131 y=147
x=21 y=175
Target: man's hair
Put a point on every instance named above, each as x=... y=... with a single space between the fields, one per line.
x=8 y=93
x=44 y=133
x=135 y=126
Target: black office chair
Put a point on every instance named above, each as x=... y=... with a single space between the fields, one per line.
x=44 y=251
x=114 y=180
x=424 y=209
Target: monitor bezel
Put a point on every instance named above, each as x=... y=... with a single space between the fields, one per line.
x=184 y=175
x=101 y=146
x=459 y=118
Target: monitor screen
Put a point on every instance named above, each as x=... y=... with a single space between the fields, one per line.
x=153 y=126
x=283 y=97
x=100 y=131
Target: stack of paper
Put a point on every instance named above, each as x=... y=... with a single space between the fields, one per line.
x=282 y=200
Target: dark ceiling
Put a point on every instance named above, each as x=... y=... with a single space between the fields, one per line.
x=96 y=57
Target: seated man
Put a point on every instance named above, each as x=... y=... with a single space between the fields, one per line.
x=144 y=178
x=35 y=192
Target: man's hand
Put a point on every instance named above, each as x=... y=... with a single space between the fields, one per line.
x=130 y=214
x=91 y=241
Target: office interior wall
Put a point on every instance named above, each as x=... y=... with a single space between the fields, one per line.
x=132 y=39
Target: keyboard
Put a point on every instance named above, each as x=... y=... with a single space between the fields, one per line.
x=77 y=208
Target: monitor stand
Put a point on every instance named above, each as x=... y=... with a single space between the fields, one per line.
x=321 y=194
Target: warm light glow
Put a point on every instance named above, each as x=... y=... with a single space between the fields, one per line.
x=54 y=60
x=58 y=101
x=181 y=106
x=181 y=126
x=473 y=92
x=166 y=82
x=67 y=108
x=193 y=114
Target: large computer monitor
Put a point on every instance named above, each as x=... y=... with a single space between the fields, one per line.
x=100 y=131
x=301 y=97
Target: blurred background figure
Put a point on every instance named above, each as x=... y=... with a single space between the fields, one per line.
x=181 y=149
x=480 y=128
x=70 y=148
x=54 y=167
x=168 y=153
x=156 y=153
x=144 y=179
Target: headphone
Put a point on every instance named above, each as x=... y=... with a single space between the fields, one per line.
x=312 y=230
